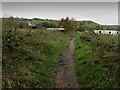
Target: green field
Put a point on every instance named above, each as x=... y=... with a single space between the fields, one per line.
x=90 y=72
x=29 y=57
x=109 y=38
x=41 y=21
x=97 y=64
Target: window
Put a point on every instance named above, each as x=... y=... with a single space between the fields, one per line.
x=99 y=31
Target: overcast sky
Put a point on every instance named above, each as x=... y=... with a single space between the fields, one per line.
x=100 y=12
x=60 y=0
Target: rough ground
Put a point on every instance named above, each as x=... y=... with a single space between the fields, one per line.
x=65 y=74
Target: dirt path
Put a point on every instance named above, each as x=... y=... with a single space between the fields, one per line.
x=65 y=75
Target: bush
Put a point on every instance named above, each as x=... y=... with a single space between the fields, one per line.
x=69 y=24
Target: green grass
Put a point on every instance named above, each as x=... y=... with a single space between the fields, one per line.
x=29 y=58
x=109 y=38
x=97 y=62
x=90 y=72
x=91 y=25
x=41 y=21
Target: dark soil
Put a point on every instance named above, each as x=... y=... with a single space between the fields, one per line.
x=65 y=73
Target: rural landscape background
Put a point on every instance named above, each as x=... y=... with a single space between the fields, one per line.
x=48 y=47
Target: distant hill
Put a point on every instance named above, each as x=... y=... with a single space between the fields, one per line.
x=79 y=23
x=41 y=20
x=94 y=25
x=87 y=23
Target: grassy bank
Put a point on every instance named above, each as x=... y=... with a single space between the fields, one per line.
x=29 y=57
x=97 y=61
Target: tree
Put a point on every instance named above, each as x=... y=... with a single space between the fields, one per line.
x=45 y=24
x=81 y=28
x=49 y=25
x=10 y=23
x=68 y=24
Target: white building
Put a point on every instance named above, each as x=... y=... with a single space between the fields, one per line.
x=55 y=29
x=31 y=24
x=107 y=32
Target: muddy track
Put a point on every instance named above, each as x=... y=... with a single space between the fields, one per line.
x=65 y=73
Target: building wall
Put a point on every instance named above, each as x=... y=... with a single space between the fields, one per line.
x=107 y=32
x=55 y=28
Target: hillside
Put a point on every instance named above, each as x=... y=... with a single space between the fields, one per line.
x=42 y=20
x=56 y=21
x=87 y=23
x=49 y=23
x=40 y=58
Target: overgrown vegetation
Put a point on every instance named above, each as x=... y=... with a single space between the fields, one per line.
x=68 y=24
x=97 y=61
x=48 y=23
x=29 y=59
x=29 y=56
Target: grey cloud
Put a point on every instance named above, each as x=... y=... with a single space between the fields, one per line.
x=103 y=13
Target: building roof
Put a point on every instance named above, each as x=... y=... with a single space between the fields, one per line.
x=55 y=29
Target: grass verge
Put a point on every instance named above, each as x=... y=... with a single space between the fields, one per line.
x=29 y=57
x=94 y=70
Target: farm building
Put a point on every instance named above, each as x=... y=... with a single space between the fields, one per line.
x=62 y=29
x=31 y=24
x=107 y=32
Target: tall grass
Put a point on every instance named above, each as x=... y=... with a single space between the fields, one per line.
x=97 y=61
x=29 y=57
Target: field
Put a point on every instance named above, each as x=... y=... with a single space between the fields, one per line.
x=33 y=57
x=29 y=57
x=109 y=38
x=41 y=21
x=97 y=65
x=86 y=24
